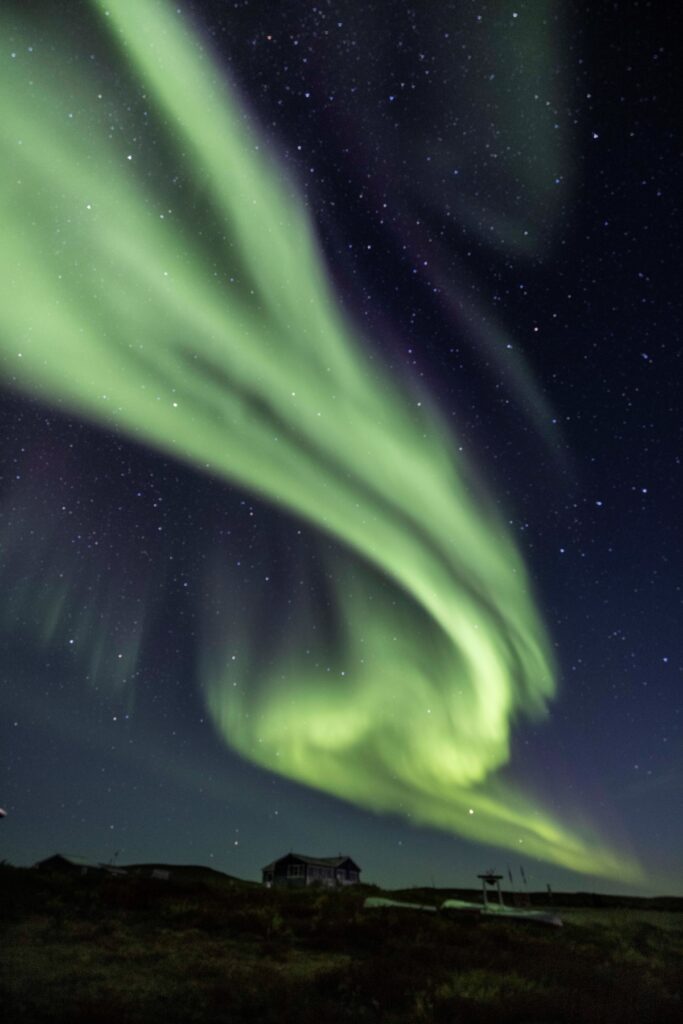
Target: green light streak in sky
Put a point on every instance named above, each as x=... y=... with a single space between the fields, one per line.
x=204 y=325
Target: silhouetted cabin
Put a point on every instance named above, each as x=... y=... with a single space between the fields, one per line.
x=75 y=865
x=297 y=870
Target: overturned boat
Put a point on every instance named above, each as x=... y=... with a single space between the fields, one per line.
x=378 y=901
x=487 y=908
x=499 y=910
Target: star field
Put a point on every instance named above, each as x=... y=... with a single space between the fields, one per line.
x=495 y=190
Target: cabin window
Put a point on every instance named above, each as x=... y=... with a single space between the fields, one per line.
x=352 y=876
x=295 y=871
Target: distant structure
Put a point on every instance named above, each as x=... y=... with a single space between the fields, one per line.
x=76 y=865
x=297 y=870
x=150 y=871
x=490 y=880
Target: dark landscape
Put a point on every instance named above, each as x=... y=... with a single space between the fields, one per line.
x=203 y=947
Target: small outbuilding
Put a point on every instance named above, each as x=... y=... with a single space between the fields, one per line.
x=70 y=864
x=66 y=863
x=297 y=870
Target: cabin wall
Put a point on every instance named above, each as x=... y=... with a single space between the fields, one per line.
x=295 y=875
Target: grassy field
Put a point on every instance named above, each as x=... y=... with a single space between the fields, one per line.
x=136 y=951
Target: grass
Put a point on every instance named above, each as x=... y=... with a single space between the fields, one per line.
x=211 y=950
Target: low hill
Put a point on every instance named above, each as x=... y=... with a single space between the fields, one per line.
x=188 y=873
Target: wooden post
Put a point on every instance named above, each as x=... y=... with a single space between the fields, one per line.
x=489 y=878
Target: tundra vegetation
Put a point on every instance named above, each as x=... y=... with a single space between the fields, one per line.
x=202 y=948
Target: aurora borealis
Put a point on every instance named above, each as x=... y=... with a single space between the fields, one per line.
x=166 y=285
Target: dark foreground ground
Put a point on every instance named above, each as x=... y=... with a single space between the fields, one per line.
x=204 y=950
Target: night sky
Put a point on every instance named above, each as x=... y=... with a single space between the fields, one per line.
x=466 y=215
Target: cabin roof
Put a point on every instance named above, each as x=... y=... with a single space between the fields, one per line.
x=322 y=862
x=68 y=858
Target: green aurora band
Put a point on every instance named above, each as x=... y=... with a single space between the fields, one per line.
x=191 y=310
